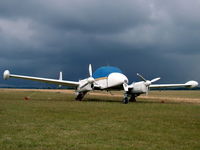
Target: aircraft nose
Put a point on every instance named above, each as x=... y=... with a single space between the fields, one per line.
x=115 y=79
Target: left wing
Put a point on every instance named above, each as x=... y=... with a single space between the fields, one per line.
x=189 y=84
x=7 y=75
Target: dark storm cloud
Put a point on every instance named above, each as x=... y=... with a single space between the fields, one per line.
x=156 y=38
x=88 y=15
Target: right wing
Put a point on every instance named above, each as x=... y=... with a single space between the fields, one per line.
x=189 y=84
x=7 y=75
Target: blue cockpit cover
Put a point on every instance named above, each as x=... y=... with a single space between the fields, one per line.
x=105 y=71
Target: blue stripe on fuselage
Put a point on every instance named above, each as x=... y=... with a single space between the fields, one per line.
x=105 y=71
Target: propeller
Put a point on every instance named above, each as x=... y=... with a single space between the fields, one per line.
x=147 y=82
x=90 y=70
x=141 y=77
x=90 y=79
x=125 y=86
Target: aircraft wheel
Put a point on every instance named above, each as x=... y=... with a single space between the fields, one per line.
x=125 y=100
x=80 y=96
x=78 y=99
x=132 y=99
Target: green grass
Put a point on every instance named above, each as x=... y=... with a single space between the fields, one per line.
x=175 y=93
x=50 y=121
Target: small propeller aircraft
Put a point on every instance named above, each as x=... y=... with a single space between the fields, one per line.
x=106 y=78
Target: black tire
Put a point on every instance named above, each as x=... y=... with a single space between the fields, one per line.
x=80 y=97
x=132 y=99
x=125 y=100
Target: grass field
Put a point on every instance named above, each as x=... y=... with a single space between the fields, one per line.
x=54 y=121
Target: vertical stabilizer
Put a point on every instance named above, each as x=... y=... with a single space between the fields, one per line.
x=60 y=78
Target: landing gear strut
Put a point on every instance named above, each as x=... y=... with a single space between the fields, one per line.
x=132 y=98
x=126 y=99
x=80 y=96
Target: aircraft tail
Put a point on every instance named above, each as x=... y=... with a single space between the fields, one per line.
x=60 y=78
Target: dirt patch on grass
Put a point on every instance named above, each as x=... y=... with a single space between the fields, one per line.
x=118 y=94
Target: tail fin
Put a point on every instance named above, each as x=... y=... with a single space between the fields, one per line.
x=60 y=78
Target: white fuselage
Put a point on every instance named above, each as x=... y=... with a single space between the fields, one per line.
x=112 y=81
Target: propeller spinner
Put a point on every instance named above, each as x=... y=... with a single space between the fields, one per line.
x=90 y=79
x=147 y=82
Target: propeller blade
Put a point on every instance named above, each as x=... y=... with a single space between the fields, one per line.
x=147 y=93
x=148 y=83
x=154 y=80
x=90 y=70
x=125 y=86
x=141 y=77
x=84 y=85
x=90 y=80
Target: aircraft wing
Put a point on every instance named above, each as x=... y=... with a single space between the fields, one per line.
x=189 y=84
x=7 y=75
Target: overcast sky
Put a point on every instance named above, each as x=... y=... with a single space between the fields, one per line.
x=152 y=37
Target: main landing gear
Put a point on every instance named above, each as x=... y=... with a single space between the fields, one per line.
x=126 y=99
x=132 y=98
x=80 y=96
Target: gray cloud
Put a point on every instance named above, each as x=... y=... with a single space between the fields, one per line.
x=152 y=37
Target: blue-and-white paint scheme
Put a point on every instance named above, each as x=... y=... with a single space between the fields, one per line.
x=109 y=77
x=105 y=78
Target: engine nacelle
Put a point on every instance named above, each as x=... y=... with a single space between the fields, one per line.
x=139 y=88
x=84 y=86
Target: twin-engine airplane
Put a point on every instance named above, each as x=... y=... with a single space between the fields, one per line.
x=106 y=78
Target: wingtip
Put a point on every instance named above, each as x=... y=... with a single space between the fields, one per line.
x=192 y=84
x=6 y=74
